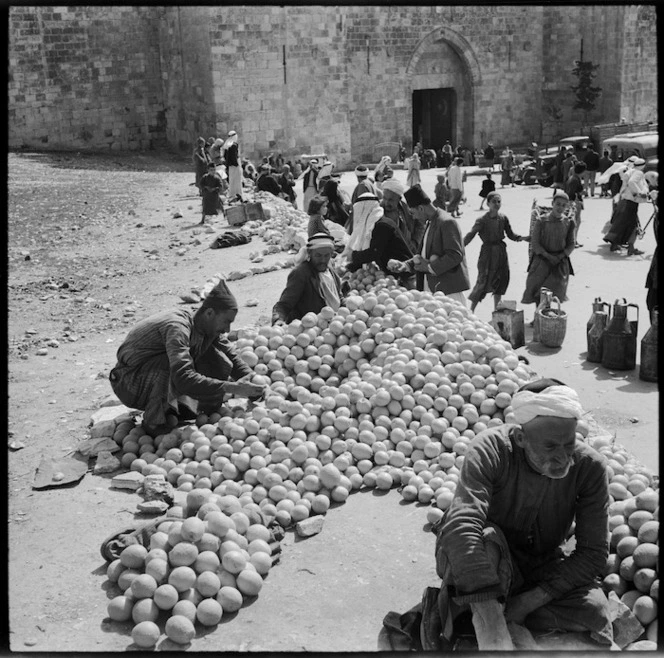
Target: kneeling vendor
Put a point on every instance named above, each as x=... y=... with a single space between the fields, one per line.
x=177 y=364
x=312 y=284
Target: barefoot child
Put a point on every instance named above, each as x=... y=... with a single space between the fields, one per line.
x=493 y=270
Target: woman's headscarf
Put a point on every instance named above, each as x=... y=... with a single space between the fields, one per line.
x=366 y=212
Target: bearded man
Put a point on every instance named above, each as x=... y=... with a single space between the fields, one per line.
x=523 y=490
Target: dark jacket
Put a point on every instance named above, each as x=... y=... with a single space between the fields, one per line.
x=387 y=242
x=302 y=294
x=450 y=270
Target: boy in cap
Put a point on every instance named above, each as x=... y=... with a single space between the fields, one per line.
x=176 y=364
x=312 y=284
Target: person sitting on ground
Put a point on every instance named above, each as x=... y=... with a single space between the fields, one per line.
x=212 y=187
x=287 y=183
x=266 y=182
x=499 y=548
x=177 y=364
x=311 y=285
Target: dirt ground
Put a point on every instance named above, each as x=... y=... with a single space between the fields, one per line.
x=98 y=242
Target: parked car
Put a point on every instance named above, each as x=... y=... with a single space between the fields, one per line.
x=546 y=156
x=643 y=144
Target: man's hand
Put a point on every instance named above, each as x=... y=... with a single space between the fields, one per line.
x=396 y=265
x=520 y=606
x=421 y=264
x=245 y=389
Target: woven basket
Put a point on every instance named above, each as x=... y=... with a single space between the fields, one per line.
x=552 y=328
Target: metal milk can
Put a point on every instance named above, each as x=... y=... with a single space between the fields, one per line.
x=619 y=349
x=648 y=366
x=595 y=336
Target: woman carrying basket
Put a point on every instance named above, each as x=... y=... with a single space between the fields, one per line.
x=552 y=241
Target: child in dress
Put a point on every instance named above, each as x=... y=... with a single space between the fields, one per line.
x=488 y=186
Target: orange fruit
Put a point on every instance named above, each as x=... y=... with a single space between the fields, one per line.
x=626 y=546
x=165 y=596
x=645 y=609
x=182 y=578
x=648 y=532
x=234 y=561
x=230 y=599
x=208 y=583
x=133 y=557
x=638 y=518
x=249 y=582
x=183 y=554
x=145 y=634
x=143 y=586
x=648 y=500
x=145 y=610
x=644 y=578
x=209 y=612
x=179 y=629
x=646 y=555
x=628 y=568
x=619 y=533
x=614 y=582
x=119 y=608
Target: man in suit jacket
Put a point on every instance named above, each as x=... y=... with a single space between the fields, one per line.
x=440 y=261
x=311 y=285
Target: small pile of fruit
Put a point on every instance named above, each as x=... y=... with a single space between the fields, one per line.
x=195 y=570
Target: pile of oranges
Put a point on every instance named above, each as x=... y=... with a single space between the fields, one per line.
x=386 y=392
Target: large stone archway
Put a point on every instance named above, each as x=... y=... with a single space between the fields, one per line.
x=444 y=64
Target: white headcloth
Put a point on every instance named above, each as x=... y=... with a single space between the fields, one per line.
x=558 y=401
x=394 y=186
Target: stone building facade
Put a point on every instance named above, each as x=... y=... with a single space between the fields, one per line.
x=335 y=79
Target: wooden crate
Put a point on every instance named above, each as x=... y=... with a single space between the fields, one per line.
x=509 y=325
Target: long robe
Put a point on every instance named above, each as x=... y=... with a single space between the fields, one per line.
x=493 y=270
x=555 y=237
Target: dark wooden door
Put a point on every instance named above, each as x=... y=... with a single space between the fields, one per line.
x=434 y=116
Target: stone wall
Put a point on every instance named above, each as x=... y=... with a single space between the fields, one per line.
x=639 y=65
x=302 y=79
x=84 y=78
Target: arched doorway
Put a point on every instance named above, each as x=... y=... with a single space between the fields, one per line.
x=443 y=73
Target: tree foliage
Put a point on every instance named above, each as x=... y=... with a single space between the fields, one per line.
x=586 y=94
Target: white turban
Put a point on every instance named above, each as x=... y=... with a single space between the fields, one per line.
x=394 y=186
x=557 y=401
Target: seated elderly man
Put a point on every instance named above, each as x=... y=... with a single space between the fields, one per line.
x=177 y=364
x=499 y=547
x=312 y=284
